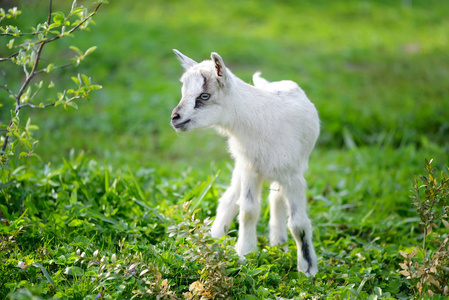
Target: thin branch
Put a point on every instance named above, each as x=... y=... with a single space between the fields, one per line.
x=25 y=70
x=424 y=255
x=28 y=78
x=54 y=68
x=8 y=90
x=9 y=57
x=36 y=106
x=18 y=34
x=5 y=142
x=49 y=12
x=73 y=28
x=48 y=104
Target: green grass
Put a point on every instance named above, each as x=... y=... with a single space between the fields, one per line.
x=377 y=72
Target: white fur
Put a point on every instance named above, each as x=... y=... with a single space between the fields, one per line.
x=272 y=128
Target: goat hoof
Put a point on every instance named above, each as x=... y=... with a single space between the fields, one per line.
x=311 y=271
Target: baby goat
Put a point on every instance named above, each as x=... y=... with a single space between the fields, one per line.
x=272 y=128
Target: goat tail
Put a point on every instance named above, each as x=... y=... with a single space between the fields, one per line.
x=259 y=81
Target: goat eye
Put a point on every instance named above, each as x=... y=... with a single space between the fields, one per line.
x=204 y=96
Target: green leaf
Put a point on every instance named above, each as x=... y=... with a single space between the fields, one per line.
x=47 y=276
x=136 y=184
x=61 y=95
x=86 y=79
x=73 y=271
x=74 y=196
x=445 y=223
x=58 y=17
x=378 y=291
x=106 y=178
x=72 y=104
x=76 y=80
x=59 y=102
x=25 y=142
x=49 y=68
x=10 y=44
x=73 y=5
x=94 y=214
x=254 y=272
x=90 y=50
x=95 y=87
x=77 y=50
x=5 y=185
x=54 y=25
x=32 y=127
x=75 y=223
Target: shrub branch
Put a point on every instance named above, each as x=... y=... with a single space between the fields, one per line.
x=29 y=76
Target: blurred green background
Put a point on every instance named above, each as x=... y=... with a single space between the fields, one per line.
x=378 y=72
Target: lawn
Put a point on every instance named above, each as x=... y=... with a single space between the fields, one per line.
x=117 y=204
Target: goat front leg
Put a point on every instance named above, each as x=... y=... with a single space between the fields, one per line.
x=227 y=206
x=300 y=225
x=278 y=216
x=249 y=202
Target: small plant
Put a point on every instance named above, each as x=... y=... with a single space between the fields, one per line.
x=428 y=266
x=27 y=55
x=210 y=256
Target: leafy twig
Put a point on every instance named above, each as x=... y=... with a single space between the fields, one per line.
x=34 y=71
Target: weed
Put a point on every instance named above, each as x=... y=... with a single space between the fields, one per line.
x=211 y=257
x=429 y=270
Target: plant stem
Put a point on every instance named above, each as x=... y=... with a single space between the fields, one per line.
x=424 y=256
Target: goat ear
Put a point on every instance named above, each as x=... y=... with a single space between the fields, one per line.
x=220 y=68
x=186 y=62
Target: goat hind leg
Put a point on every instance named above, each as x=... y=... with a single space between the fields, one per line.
x=300 y=225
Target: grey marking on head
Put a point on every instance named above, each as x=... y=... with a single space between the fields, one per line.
x=198 y=104
x=204 y=83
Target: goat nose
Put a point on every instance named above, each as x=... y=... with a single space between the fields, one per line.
x=175 y=116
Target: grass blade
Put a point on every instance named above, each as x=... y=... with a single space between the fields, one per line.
x=37 y=265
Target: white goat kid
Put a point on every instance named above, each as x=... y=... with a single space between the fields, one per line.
x=272 y=128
